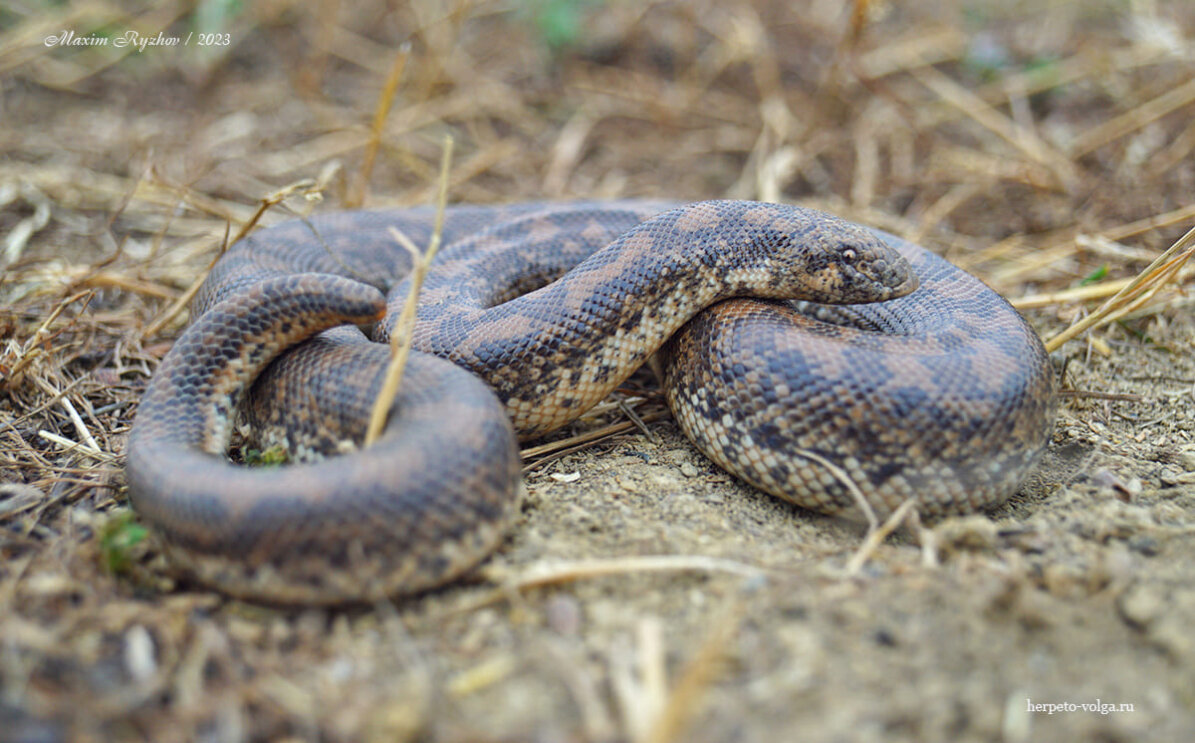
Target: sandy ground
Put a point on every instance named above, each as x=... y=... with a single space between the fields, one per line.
x=643 y=595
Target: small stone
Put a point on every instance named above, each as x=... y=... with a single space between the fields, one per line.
x=563 y=615
x=1170 y=476
x=1141 y=604
x=1125 y=491
x=1170 y=628
x=106 y=376
x=1147 y=546
x=1035 y=610
x=1064 y=581
x=139 y=654
x=688 y=469
x=970 y=533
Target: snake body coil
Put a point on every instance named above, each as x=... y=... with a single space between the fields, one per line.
x=943 y=394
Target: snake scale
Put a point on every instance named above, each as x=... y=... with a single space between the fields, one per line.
x=857 y=357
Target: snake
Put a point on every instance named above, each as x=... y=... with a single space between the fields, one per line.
x=832 y=365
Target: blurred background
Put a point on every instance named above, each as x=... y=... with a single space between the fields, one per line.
x=960 y=123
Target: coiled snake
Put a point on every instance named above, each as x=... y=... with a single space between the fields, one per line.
x=943 y=393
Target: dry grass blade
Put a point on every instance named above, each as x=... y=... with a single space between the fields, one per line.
x=590 y=436
x=19 y=235
x=985 y=115
x=553 y=573
x=393 y=77
x=1074 y=294
x=1135 y=119
x=1157 y=221
x=267 y=202
x=695 y=679
x=400 y=337
x=1136 y=292
x=559 y=572
x=841 y=476
x=180 y=303
x=876 y=536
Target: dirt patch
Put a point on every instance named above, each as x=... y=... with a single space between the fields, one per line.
x=643 y=595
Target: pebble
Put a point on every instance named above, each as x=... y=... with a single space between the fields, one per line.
x=1141 y=604
x=563 y=615
x=139 y=654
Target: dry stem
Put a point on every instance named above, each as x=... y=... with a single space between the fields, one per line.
x=1138 y=291
x=400 y=335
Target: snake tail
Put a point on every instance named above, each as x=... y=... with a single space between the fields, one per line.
x=185 y=423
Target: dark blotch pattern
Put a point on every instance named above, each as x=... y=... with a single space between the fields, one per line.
x=944 y=395
x=940 y=393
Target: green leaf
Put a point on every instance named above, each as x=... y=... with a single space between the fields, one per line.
x=1097 y=275
x=271 y=457
x=559 y=22
x=119 y=535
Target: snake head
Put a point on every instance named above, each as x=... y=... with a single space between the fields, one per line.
x=846 y=263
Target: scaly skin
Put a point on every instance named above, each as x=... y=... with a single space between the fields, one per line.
x=944 y=394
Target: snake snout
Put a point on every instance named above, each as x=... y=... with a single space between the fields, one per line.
x=856 y=270
x=889 y=274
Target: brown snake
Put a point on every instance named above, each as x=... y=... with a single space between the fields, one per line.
x=943 y=394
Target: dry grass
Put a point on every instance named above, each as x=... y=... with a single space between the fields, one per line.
x=1046 y=148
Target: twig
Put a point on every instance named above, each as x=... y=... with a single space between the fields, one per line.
x=1134 y=119
x=267 y=202
x=80 y=428
x=1138 y=291
x=185 y=298
x=639 y=422
x=876 y=536
x=696 y=677
x=590 y=436
x=357 y=197
x=840 y=474
x=400 y=335
x=69 y=445
x=985 y=115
